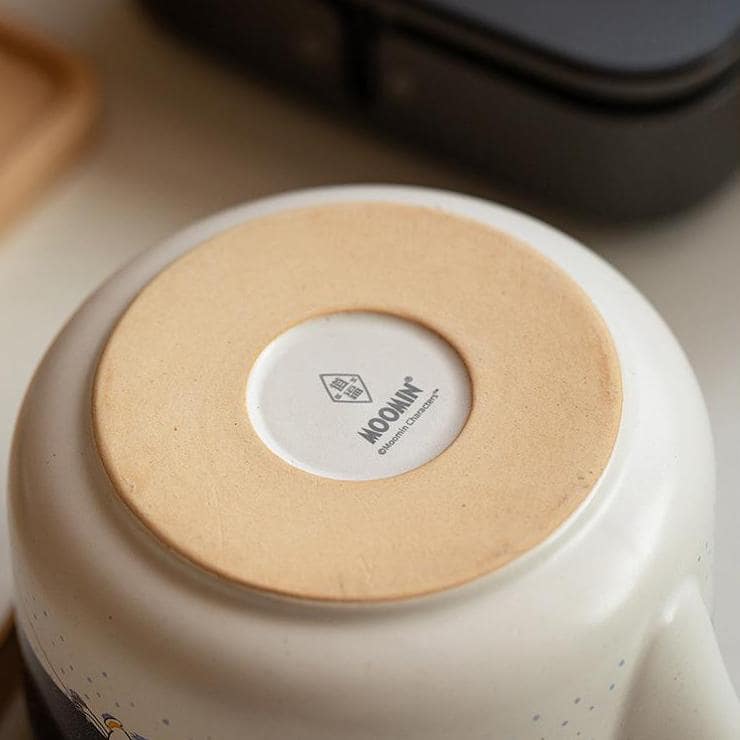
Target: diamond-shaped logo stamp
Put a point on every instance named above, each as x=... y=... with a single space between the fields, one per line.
x=345 y=387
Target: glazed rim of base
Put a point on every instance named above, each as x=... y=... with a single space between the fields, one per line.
x=172 y=429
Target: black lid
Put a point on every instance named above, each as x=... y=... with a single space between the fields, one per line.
x=623 y=50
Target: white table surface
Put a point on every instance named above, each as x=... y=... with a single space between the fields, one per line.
x=181 y=138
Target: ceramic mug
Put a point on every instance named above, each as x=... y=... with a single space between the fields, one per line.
x=368 y=462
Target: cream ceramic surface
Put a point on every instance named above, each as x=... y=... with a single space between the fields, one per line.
x=6 y=583
x=600 y=632
x=289 y=411
x=48 y=93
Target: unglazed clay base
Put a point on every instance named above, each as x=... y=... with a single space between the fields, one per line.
x=192 y=392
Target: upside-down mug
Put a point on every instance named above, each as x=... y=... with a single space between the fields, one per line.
x=368 y=462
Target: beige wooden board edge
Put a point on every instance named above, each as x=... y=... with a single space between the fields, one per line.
x=60 y=128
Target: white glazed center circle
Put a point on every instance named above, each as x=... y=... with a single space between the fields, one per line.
x=358 y=395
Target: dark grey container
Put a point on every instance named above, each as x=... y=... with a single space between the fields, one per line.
x=623 y=110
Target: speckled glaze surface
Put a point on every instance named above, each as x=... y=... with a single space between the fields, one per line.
x=600 y=632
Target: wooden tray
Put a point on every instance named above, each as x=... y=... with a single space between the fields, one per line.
x=48 y=102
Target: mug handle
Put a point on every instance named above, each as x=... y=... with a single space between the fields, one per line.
x=684 y=691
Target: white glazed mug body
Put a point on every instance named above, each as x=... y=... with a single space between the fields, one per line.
x=599 y=632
